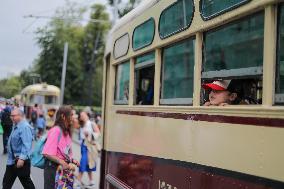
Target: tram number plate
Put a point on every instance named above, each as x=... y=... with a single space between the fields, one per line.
x=164 y=185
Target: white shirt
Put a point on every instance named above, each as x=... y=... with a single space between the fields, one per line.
x=87 y=128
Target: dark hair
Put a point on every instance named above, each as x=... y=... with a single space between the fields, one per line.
x=236 y=86
x=65 y=111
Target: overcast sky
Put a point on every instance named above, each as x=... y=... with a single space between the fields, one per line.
x=18 y=47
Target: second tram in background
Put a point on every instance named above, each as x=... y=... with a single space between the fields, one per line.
x=157 y=133
x=45 y=96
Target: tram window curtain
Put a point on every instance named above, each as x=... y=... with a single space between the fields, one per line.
x=279 y=97
x=143 y=35
x=177 y=74
x=176 y=18
x=243 y=50
x=122 y=83
x=212 y=8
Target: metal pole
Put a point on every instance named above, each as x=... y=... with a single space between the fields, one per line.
x=63 y=73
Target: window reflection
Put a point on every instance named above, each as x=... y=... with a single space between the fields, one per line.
x=122 y=83
x=239 y=45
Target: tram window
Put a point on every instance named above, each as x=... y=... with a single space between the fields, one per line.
x=176 y=18
x=37 y=99
x=279 y=96
x=212 y=8
x=144 y=79
x=143 y=35
x=241 y=55
x=248 y=91
x=49 y=99
x=121 y=46
x=177 y=74
x=122 y=83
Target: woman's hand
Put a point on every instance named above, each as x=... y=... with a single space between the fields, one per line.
x=207 y=104
x=77 y=163
x=64 y=164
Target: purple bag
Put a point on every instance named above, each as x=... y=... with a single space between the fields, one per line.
x=64 y=179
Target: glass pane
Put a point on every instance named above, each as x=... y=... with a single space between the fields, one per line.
x=146 y=58
x=143 y=35
x=122 y=83
x=211 y=8
x=121 y=46
x=176 y=18
x=280 y=62
x=238 y=45
x=177 y=76
x=50 y=99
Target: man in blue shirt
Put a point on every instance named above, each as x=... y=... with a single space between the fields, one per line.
x=19 y=149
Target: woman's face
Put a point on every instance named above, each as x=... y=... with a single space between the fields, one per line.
x=218 y=97
x=75 y=121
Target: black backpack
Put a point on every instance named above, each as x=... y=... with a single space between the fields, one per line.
x=6 y=120
x=33 y=116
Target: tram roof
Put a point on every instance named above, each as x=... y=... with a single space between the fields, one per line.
x=41 y=87
x=144 y=5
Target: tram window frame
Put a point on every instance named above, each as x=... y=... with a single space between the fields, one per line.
x=235 y=72
x=179 y=101
x=229 y=8
x=137 y=28
x=122 y=101
x=144 y=83
x=279 y=97
x=244 y=73
x=179 y=29
x=50 y=99
x=115 y=45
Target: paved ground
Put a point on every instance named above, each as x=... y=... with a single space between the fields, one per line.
x=37 y=174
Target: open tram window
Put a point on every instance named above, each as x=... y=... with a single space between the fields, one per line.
x=279 y=87
x=177 y=73
x=239 y=57
x=144 y=79
x=247 y=92
x=122 y=83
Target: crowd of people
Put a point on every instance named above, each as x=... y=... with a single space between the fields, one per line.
x=21 y=130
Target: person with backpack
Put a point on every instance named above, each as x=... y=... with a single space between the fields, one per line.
x=58 y=153
x=7 y=125
x=19 y=148
x=34 y=115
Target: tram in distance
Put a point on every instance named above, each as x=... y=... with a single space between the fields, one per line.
x=45 y=96
x=157 y=132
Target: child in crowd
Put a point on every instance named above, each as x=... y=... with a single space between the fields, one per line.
x=223 y=92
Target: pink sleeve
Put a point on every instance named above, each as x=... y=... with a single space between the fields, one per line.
x=51 y=145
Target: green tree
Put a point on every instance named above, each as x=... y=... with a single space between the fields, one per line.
x=124 y=8
x=93 y=52
x=85 y=54
x=51 y=40
x=10 y=86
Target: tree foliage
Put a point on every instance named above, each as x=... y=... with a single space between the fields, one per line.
x=10 y=86
x=124 y=8
x=83 y=83
x=80 y=54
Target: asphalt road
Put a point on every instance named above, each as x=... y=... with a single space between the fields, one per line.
x=37 y=174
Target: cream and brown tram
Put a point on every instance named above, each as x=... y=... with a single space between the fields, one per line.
x=45 y=96
x=157 y=133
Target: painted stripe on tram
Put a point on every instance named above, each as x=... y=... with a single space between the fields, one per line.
x=256 y=121
x=137 y=171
